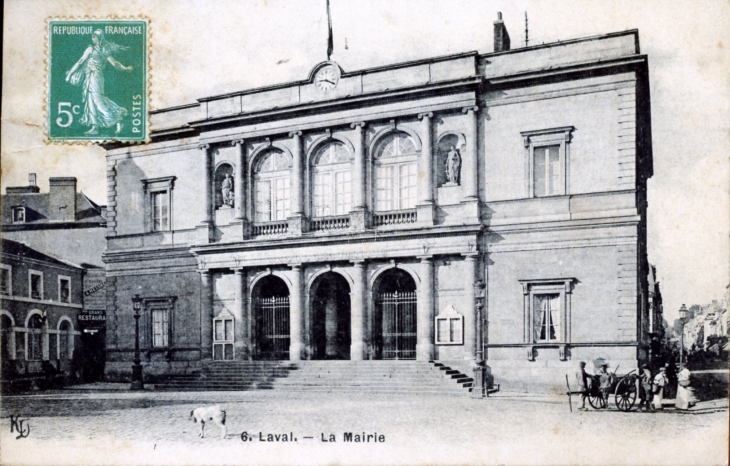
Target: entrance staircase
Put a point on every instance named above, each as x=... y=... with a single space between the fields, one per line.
x=386 y=377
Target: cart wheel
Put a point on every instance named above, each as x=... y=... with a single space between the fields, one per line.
x=596 y=401
x=625 y=394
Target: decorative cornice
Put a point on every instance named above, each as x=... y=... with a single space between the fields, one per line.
x=566 y=130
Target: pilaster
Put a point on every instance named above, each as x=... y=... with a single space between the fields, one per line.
x=357 y=311
x=470 y=273
x=206 y=225
x=206 y=315
x=240 y=313
x=296 y=309
x=425 y=205
x=424 y=325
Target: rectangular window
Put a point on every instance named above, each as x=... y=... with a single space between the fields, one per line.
x=547 y=171
x=547 y=161
x=547 y=317
x=35 y=284
x=34 y=345
x=6 y=286
x=385 y=187
x=282 y=198
x=160 y=328
x=18 y=214
x=160 y=211
x=64 y=289
x=322 y=194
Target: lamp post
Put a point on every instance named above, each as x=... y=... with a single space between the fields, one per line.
x=477 y=390
x=683 y=318
x=137 y=366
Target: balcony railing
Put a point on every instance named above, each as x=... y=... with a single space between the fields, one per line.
x=330 y=223
x=394 y=218
x=270 y=228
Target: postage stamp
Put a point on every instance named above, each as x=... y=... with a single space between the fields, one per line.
x=97 y=80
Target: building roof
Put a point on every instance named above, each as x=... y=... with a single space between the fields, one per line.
x=22 y=251
x=37 y=211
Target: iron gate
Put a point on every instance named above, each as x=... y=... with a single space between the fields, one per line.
x=398 y=314
x=273 y=327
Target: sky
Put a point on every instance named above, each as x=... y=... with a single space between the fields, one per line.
x=201 y=48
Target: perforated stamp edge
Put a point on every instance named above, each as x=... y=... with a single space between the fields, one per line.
x=47 y=90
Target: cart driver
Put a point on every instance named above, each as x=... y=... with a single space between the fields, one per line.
x=584 y=384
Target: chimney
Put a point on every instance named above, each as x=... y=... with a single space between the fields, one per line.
x=32 y=188
x=62 y=199
x=501 y=36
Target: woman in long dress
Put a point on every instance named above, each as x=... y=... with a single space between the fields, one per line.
x=99 y=110
x=685 y=393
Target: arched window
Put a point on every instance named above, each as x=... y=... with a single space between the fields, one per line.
x=271 y=187
x=65 y=345
x=331 y=181
x=395 y=173
x=35 y=335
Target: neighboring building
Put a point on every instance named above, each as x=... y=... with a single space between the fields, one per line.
x=656 y=315
x=40 y=300
x=351 y=214
x=62 y=222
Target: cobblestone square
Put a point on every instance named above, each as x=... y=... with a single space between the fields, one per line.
x=312 y=428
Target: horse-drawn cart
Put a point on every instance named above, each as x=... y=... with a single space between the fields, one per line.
x=623 y=387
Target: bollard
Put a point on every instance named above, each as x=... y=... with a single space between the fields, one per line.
x=477 y=390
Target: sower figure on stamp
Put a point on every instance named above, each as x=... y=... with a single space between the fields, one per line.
x=99 y=110
x=584 y=384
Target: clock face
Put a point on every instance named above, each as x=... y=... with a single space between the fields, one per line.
x=326 y=78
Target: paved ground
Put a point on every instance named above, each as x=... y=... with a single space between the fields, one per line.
x=115 y=427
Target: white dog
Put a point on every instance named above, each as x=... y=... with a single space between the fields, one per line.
x=210 y=413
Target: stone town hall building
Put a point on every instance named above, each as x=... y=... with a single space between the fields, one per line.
x=349 y=215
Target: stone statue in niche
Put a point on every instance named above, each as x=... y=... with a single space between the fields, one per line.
x=453 y=167
x=227 y=190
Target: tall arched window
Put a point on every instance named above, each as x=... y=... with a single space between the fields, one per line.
x=65 y=345
x=396 y=173
x=331 y=181
x=35 y=338
x=271 y=187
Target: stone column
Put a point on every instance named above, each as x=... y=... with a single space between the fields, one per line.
x=357 y=311
x=240 y=344
x=239 y=187
x=424 y=326
x=206 y=315
x=296 y=219
x=469 y=167
x=296 y=308
x=206 y=223
x=359 y=214
x=470 y=272
x=425 y=204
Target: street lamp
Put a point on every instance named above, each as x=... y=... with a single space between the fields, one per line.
x=137 y=366
x=477 y=390
x=683 y=318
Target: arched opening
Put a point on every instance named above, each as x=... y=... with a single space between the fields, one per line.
x=330 y=317
x=35 y=338
x=395 y=173
x=64 y=344
x=331 y=181
x=6 y=345
x=394 y=319
x=271 y=319
x=271 y=186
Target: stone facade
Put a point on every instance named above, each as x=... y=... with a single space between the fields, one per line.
x=366 y=207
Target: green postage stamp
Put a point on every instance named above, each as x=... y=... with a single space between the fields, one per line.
x=97 y=80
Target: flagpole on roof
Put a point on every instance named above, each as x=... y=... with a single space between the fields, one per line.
x=330 y=41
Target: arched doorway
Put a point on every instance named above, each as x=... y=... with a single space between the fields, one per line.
x=395 y=316
x=7 y=344
x=330 y=317
x=271 y=319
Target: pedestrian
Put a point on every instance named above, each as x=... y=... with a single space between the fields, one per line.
x=645 y=389
x=584 y=384
x=685 y=393
x=604 y=379
x=660 y=382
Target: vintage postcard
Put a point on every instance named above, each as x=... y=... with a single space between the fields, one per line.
x=320 y=232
